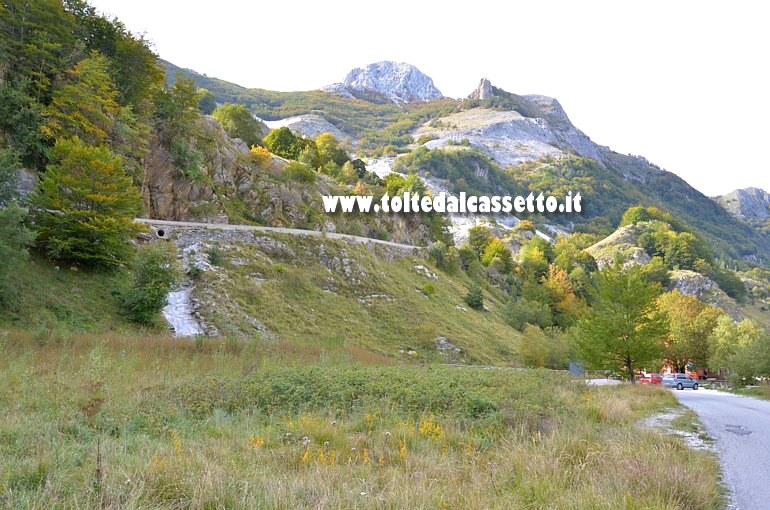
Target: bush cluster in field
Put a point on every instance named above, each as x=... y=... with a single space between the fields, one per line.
x=456 y=393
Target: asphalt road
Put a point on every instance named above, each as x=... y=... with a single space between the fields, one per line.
x=741 y=428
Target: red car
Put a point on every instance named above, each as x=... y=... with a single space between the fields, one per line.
x=651 y=379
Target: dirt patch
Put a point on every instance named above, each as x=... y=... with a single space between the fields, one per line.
x=681 y=423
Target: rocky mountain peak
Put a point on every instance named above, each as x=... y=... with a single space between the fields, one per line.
x=398 y=81
x=483 y=91
x=749 y=204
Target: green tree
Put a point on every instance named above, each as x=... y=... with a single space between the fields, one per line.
x=283 y=142
x=545 y=246
x=444 y=257
x=475 y=297
x=729 y=282
x=9 y=163
x=86 y=205
x=239 y=122
x=84 y=103
x=21 y=120
x=176 y=121
x=15 y=238
x=479 y=237
x=176 y=110
x=38 y=38
x=533 y=347
x=743 y=348
x=137 y=74
x=565 y=305
x=130 y=140
x=309 y=156
x=533 y=263
x=155 y=271
x=624 y=330
x=329 y=150
x=133 y=65
x=207 y=103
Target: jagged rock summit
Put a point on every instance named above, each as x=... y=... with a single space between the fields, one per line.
x=749 y=204
x=398 y=81
x=483 y=91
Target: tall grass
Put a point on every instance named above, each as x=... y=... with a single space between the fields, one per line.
x=122 y=422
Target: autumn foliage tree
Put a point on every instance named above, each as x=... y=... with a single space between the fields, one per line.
x=85 y=206
x=565 y=304
x=690 y=323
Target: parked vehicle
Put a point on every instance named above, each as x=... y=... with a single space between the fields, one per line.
x=679 y=381
x=651 y=379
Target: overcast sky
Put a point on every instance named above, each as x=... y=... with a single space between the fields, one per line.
x=684 y=84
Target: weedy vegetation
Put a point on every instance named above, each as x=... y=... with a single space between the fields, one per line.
x=111 y=421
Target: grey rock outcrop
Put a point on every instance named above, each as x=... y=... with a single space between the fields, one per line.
x=532 y=127
x=749 y=204
x=695 y=284
x=483 y=91
x=310 y=125
x=26 y=182
x=398 y=81
x=622 y=242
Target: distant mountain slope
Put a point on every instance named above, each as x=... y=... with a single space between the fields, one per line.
x=512 y=130
x=356 y=114
x=534 y=134
x=349 y=114
x=749 y=204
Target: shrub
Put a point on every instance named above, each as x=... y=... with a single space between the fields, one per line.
x=155 y=272
x=215 y=256
x=298 y=172
x=475 y=297
x=14 y=240
x=261 y=156
x=187 y=158
x=526 y=226
x=518 y=314
x=445 y=258
x=9 y=162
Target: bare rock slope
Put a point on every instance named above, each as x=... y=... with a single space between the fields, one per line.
x=398 y=81
x=749 y=204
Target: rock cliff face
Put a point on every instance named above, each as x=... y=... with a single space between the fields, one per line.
x=168 y=196
x=398 y=81
x=705 y=289
x=483 y=91
x=235 y=189
x=528 y=128
x=310 y=125
x=622 y=242
x=749 y=204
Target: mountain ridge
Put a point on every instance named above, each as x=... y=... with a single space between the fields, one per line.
x=531 y=129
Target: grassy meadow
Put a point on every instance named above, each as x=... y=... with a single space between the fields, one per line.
x=129 y=421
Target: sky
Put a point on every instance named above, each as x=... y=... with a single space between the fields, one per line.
x=684 y=84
